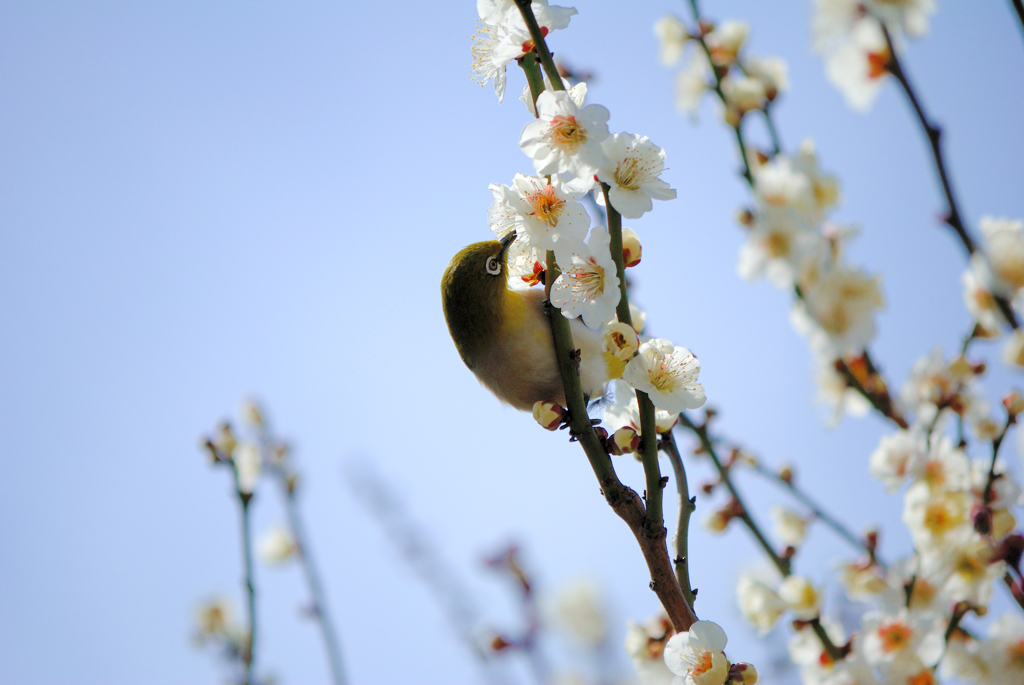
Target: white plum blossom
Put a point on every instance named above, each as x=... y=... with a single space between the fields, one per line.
x=248 y=466
x=1004 y=246
x=858 y=65
x=620 y=340
x=1005 y=491
x=546 y=212
x=588 y=285
x=979 y=297
x=549 y=17
x=726 y=40
x=824 y=186
x=802 y=598
x=760 y=605
x=215 y=620
x=1004 y=649
x=933 y=382
x=632 y=167
x=863 y=581
x=770 y=71
x=901 y=637
x=579 y=609
x=742 y=94
x=565 y=138
x=965 y=561
x=625 y=411
x=805 y=650
x=834 y=391
x=697 y=654
x=672 y=38
x=1013 y=350
x=668 y=374
x=525 y=264
x=502 y=36
x=277 y=545
x=838 y=310
x=778 y=243
x=577 y=93
x=942 y=466
x=692 y=83
x=790 y=527
x=891 y=460
x=909 y=16
x=935 y=518
x=645 y=646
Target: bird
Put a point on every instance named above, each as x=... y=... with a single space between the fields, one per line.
x=504 y=335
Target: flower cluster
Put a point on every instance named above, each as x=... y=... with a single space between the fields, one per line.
x=849 y=35
x=997 y=271
x=789 y=238
x=746 y=82
x=573 y=154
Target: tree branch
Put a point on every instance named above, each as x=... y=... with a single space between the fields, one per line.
x=686 y=508
x=934 y=135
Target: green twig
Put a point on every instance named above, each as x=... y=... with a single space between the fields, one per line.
x=648 y=445
x=546 y=60
x=819 y=513
x=244 y=499
x=782 y=564
x=686 y=509
x=934 y=135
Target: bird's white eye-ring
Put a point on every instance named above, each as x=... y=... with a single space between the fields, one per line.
x=493 y=266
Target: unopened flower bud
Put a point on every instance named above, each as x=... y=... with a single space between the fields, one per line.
x=960 y=368
x=664 y=421
x=985 y=429
x=742 y=673
x=732 y=116
x=745 y=217
x=719 y=520
x=624 y=441
x=786 y=474
x=630 y=248
x=601 y=434
x=1003 y=523
x=251 y=413
x=1014 y=403
x=621 y=341
x=548 y=414
x=225 y=441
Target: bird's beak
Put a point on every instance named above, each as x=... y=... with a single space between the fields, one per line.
x=506 y=242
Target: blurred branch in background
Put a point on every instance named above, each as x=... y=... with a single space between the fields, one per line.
x=414 y=546
x=276 y=454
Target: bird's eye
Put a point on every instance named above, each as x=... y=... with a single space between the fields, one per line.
x=493 y=266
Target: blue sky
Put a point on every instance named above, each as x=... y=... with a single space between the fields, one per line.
x=202 y=201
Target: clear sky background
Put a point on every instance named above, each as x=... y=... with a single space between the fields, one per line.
x=202 y=201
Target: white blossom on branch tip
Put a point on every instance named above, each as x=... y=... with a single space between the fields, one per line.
x=697 y=654
x=544 y=211
x=668 y=374
x=277 y=545
x=565 y=138
x=588 y=285
x=631 y=169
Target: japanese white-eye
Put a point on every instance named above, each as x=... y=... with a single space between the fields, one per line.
x=504 y=335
